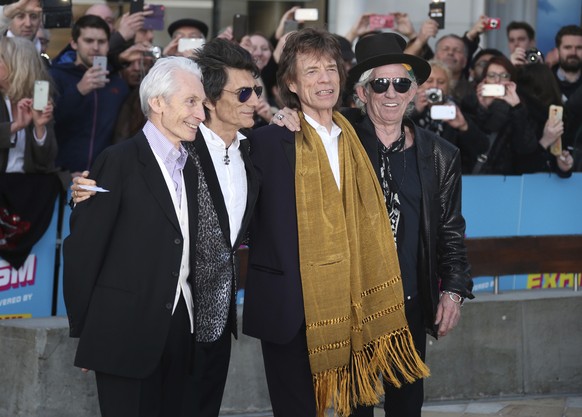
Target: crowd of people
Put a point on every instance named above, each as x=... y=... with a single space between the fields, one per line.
x=507 y=133
x=341 y=156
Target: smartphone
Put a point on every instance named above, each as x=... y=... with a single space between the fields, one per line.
x=189 y=44
x=436 y=11
x=304 y=15
x=135 y=6
x=493 y=90
x=100 y=62
x=239 y=26
x=381 y=21
x=155 y=21
x=443 y=112
x=556 y=113
x=290 y=26
x=41 y=95
x=493 y=23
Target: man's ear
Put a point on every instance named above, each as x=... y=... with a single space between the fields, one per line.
x=292 y=87
x=362 y=93
x=157 y=104
x=73 y=44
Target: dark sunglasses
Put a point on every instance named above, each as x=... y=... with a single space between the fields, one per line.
x=381 y=85
x=244 y=93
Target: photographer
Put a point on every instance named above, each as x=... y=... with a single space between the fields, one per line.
x=521 y=39
x=432 y=99
x=498 y=111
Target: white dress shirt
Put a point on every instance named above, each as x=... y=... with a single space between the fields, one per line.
x=331 y=145
x=232 y=177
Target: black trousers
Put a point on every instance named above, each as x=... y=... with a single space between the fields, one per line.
x=161 y=394
x=289 y=377
x=407 y=400
x=210 y=372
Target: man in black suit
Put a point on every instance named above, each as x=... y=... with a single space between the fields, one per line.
x=129 y=260
x=226 y=197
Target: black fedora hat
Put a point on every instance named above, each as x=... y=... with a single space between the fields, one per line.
x=383 y=49
x=201 y=26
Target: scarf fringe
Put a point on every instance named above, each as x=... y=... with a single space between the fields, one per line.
x=360 y=383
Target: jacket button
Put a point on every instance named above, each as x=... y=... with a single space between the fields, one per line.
x=169 y=306
x=177 y=241
x=175 y=274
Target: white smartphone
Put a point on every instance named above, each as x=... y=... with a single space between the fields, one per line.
x=493 y=90
x=306 y=15
x=41 y=95
x=189 y=44
x=443 y=112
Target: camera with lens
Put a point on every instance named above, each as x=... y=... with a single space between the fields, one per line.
x=434 y=95
x=533 y=56
x=154 y=51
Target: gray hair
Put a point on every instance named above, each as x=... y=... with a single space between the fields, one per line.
x=435 y=63
x=365 y=78
x=160 y=80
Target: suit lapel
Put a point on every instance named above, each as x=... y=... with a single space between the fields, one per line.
x=155 y=180
x=367 y=135
x=191 y=190
x=252 y=190
x=213 y=185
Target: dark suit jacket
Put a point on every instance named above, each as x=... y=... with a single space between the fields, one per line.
x=122 y=261
x=273 y=308
x=37 y=159
x=219 y=205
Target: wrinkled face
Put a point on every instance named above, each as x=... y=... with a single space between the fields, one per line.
x=228 y=113
x=451 y=51
x=179 y=115
x=187 y=32
x=91 y=42
x=261 y=51
x=517 y=38
x=497 y=74
x=437 y=79
x=570 y=53
x=387 y=108
x=317 y=83
x=26 y=22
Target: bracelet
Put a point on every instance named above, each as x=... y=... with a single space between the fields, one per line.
x=455 y=298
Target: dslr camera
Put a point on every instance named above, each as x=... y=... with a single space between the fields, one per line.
x=434 y=95
x=533 y=56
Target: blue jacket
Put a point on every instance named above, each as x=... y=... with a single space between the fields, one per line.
x=84 y=124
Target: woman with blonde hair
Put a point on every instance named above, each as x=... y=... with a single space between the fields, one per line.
x=27 y=138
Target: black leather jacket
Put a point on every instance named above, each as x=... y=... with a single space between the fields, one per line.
x=442 y=260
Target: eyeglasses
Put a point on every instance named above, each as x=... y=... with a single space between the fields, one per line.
x=495 y=76
x=245 y=93
x=381 y=85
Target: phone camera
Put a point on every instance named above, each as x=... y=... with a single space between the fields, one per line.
x=154 y=51
x=533 y=56
x=434 y=95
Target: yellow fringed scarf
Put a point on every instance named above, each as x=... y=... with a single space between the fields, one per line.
x=352 y=290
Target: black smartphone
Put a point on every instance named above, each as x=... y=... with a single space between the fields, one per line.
x=135 y=6
x=436 y=11
x=239 y=26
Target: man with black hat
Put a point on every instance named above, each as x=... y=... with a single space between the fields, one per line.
x=184 y=29
x=420 y=178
